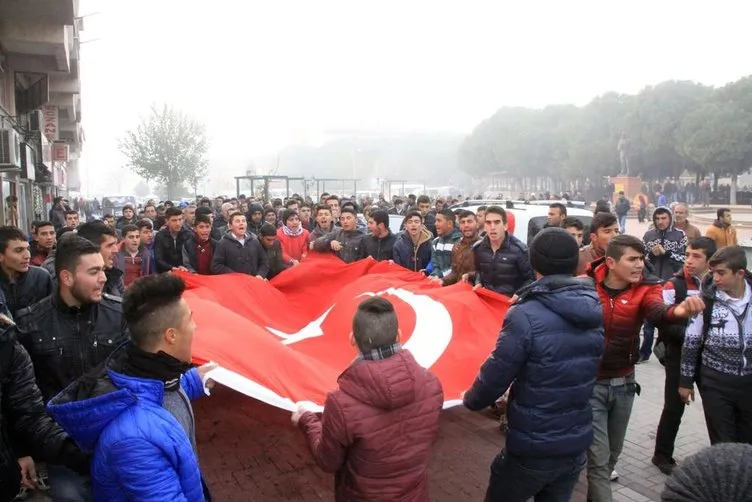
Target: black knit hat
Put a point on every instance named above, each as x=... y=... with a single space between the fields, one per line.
x=554 y=251
x=719 y=473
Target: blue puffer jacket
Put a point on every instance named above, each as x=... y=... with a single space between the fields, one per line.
x=550 y=346
x=140 y=451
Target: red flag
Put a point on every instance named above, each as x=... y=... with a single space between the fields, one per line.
x=286 y=341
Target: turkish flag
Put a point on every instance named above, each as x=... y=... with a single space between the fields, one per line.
x=286 y=341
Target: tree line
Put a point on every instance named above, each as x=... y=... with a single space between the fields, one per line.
x=673 y=127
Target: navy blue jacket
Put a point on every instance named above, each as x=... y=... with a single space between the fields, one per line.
x=506 y=270
x=549 y=349
x=408 y=255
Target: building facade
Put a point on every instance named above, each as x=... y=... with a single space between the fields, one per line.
x=40 y=106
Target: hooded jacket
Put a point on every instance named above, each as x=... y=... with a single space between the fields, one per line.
x=728 y=345
x=673 y=240
x=377 y=430
x=140 y=451
x=248 y=257
x=441 y=252
x=143 y=260
x=549 y=349
x=415 y=257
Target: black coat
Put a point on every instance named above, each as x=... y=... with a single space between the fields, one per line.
x=277 y=263
x=168 y=250
x=28 y=289
x=247 y=258
x=64 y=342
x=505 y=271
x=25 y=427
x=379 y=249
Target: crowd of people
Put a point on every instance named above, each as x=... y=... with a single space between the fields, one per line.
x=94 y=325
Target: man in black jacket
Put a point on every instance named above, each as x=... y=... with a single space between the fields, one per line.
x=22 y=284
x=107 y=239
x=168 y=244
x=379 y=242
x=268 y=238
x=239 y=251
x=72 y=331
x=501 y=259
x=25 y=427
x=78 y=326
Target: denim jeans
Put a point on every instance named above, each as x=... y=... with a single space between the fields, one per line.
x=546 y=479
x=612 y=405
x=67 y=485
x=648 y=334
x=623 y=224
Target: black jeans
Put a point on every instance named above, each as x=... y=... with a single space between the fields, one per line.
x=727 y=402
x=546 y=479
x=673 y=407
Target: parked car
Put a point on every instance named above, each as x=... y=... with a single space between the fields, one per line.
x=527 y=216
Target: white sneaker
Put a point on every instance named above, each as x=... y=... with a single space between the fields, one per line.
x=614 y=475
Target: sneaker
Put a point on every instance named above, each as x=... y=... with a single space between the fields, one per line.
x=23 y=494
x=614 y=475
x=663 y=465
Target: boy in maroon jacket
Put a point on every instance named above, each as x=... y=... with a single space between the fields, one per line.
x=361 y=434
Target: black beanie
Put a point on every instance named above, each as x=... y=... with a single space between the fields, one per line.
x=554 y=251
x=719 y=473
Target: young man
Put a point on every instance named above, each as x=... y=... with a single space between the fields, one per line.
x=463 y=258
x=294 y=239
x=665 y=247
x=199 y=247
x=501 y=259
x=575 y=228
x=629 y=297
x=549 y=349
x=133 y=258
x=721 y=231
x=442 y=246
x=44 y=242
x=621 y=209
x=413 y=247
x=189 y=217
x=429 y=217
x=671 y=335
x=129 y=218
x=361 y=434
x=239 y=251
x=150 y=211
x=168 y=244
x=603 y=228
x=717 y=350
x=273 y=250
x=379 y=243
x=345 y=242
x=305 y=216
x=22 y=284
x=556 y=214
x=106 y=238
x=324 y=223
x=255 y=218
x=333 y=202
x=134 y=413
x=71 y=219
x=71 y=332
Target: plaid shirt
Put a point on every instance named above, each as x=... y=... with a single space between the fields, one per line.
x=380 y=353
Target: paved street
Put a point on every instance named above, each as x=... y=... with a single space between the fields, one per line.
x=249 y=451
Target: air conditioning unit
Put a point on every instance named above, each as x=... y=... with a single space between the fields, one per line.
x=10 y=149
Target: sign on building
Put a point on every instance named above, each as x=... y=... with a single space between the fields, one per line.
x=50 y=122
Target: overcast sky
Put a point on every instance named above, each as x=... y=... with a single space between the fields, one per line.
x=263 y=75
